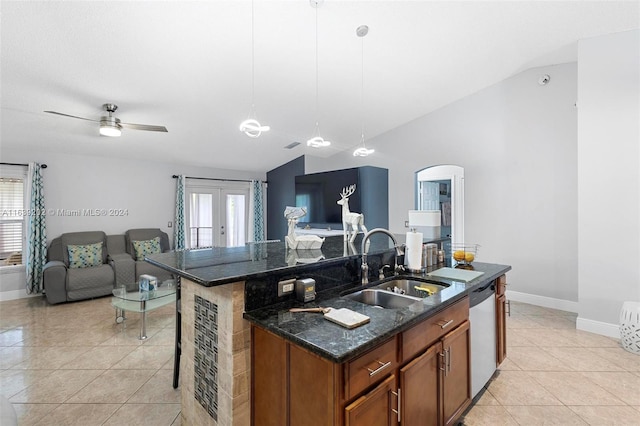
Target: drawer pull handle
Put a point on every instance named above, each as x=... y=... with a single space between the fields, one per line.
x=446 y=324
x=383 y=365
x=443 y=357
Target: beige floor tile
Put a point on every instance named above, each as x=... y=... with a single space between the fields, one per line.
x=522 y=321
x=622 y=358
x=489 y=416
x=127 y=336
x=555 y=321
x=508 y=364
x=548 y=415
x=14 y=355
x=145 y=414
x=51 y=357
x=572 y=388
x=624 y=385
x=518 y=388
x=15 y=335
x=164 y=337
x=99 y=357
x=515 y=339
x=112 y=387
x=536 y=359
x=159 y=389
x=590 y=340
x=637 y=407
x=146 y=357
x=15 y=381
x=548 y=338
x=487 y=399
x=177 y=421
x=582 y=360
x=79 y=414
x=57 y=387
x=607 y=415
x=30 y=414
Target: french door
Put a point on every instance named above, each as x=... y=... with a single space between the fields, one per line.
x=217 y=214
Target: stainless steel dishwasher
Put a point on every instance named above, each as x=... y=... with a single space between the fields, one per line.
x=482 y=315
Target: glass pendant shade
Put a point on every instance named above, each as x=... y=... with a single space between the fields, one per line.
x=252 y=128
x=363 y=152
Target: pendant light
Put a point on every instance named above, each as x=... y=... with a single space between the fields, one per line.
x=251 y=126
x=362 y=151
x=317 y=141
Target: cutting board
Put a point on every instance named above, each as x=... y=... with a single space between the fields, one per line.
x=346 y=317
x=455 y=274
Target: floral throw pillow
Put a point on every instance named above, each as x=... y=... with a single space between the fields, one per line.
x=143 y=248
x=85 y=256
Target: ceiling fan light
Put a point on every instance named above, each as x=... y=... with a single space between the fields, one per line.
x=318 y=142
x=111 y=130
x=252 y=128
x=363 y=152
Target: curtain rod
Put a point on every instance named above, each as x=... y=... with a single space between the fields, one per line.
x=44 y=166
x=222 y=180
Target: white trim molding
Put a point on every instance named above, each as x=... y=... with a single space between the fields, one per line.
x=16 y=294
x=546 y=302
x=598 y=327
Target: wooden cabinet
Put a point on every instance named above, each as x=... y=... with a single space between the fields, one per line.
x=456 y=369
x=501 y=319
x=435 y=387
x=376 y=408
x=418 y=377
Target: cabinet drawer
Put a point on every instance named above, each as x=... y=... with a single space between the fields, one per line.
x=370 y=367
x=418 y=337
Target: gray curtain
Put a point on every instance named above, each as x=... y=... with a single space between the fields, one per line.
x=36 y=247
x=257 y=193
x=179 y=229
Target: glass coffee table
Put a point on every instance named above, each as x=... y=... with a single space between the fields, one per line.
x=143 y=302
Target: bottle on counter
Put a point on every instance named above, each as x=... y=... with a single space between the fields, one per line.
x=440 y=256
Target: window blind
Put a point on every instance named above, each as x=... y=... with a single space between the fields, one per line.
x=12 y=215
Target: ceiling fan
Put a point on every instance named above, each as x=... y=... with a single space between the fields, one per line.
x=112 y=126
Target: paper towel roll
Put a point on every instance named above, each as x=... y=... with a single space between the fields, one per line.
x=413 y=252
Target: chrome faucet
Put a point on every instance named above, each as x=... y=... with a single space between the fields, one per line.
x=364 y=249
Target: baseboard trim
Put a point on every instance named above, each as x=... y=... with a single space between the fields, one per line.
x=546 y=302
x=598 y=327
x=15 y=294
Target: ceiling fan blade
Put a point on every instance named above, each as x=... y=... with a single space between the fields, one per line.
x=144 y=127
x=72 y=116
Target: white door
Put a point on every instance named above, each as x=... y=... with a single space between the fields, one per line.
x=217 y=215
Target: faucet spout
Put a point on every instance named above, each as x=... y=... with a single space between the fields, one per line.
x=364 y=250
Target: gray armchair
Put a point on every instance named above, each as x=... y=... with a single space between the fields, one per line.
x=65 y=281
x=128 y=267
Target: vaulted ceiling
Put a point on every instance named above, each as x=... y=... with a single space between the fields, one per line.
x=187 y=65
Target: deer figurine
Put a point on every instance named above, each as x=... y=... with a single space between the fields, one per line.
x=351 y=222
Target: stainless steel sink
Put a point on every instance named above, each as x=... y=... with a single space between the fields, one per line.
x=382 y=298
x=413 y=287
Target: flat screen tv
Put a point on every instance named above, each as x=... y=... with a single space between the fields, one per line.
x=319 y=193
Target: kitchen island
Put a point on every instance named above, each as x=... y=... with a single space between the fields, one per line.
x=225 y=290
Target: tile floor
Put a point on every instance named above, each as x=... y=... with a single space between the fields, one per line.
x=557 y=375
x=70 y=364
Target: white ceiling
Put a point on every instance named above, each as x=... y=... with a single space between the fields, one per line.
x=187 y=65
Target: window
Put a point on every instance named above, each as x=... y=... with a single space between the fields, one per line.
x=12 y=214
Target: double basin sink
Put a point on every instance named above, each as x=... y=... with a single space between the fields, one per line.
x=397 y=292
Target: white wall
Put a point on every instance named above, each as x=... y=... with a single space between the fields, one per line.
x=517 y=142
x=608 y=178
x=144 y=189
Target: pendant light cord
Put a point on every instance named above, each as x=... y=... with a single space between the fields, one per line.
x=317 y=108
x=253 y=65
x=362 y=89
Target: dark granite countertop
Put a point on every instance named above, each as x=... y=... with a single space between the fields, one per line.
x=339 y=344
x=223 y=265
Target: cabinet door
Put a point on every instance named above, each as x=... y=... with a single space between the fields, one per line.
x=419 y=389
x=501 y=329
x=375 y=408
x=456 y=384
